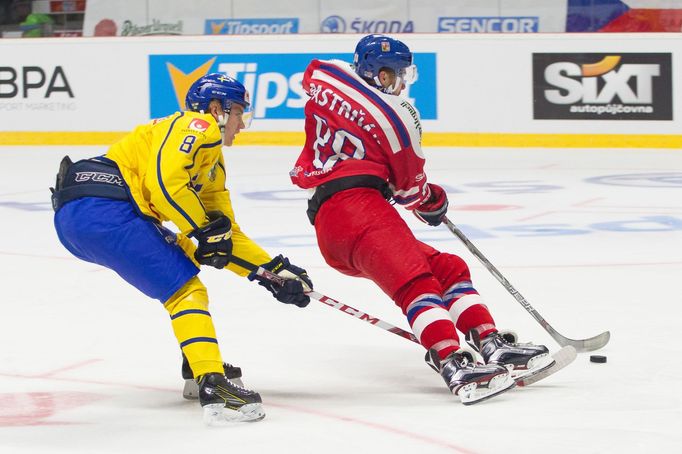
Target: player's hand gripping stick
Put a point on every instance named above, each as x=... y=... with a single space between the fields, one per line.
x=434 y=208
x=292 y=284
x=214 y=241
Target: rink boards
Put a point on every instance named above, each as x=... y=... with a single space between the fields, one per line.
x=540 y=90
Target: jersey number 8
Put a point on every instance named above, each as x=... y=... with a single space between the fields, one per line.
x=186 y=145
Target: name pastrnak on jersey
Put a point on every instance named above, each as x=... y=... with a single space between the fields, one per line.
x=175 y=170
x=354 y=129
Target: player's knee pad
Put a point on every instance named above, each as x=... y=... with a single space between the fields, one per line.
x=192 y=295
x=450 y=268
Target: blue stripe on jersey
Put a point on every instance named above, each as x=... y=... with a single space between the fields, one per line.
x=196 y=152
x=211 y=145
x=398 y=124
x=198 y=339
x=189 y=311
x=406 y=200
x=161 y=185
x=194 y=191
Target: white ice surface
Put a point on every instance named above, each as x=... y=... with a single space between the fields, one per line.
x=89 y=365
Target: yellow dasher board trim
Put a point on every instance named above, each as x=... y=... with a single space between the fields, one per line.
x=552 y=140
x=432 y=139
x=58 y=138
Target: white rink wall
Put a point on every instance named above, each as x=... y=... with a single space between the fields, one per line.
x=469 y=84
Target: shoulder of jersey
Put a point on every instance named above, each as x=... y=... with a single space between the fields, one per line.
x=201 y=125
x=350 y=75
x=187 y=119
x=337 y=64
x=197 y=122
x=326 y=65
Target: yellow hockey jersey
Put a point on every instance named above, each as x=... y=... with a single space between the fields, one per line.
x=175 y=170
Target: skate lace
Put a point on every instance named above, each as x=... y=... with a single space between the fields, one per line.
x=505 y=341
x=233 y=385
x=240 y=388
x=515 y=344
x=461 y=361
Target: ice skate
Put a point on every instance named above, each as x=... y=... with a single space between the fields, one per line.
x=470 y=381
x=224 y=402
x=191 y=389
x=502 y=348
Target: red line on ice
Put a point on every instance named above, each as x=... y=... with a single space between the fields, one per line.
x=369 y=424
x=65 y=368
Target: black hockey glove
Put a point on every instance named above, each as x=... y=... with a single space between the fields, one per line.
x=215 y=241
x=296 y=284
x=432 y=210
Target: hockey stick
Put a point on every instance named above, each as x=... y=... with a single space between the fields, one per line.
x=331 y=302
x=581 y=345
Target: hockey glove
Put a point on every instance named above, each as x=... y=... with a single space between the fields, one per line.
x=215 y=241
x=296 y=284
x=432 y=210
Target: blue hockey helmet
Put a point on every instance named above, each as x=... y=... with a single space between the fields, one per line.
x=221 y=87
x=376 y=52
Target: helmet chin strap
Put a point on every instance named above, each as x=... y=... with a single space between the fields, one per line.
x=222 y=121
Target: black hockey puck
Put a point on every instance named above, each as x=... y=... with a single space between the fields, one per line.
x=597 y=359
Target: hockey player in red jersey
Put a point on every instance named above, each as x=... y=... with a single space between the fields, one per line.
x=363 y=147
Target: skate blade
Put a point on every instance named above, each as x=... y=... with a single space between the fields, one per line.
x=561 y=359
x=191 y=389
x=216 y=415
x=471 y=394
x=535 y=365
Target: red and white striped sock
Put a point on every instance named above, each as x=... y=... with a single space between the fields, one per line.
x=467 y=309
x=432 y=324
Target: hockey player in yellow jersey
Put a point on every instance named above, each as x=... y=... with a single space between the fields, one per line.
x=110 y=209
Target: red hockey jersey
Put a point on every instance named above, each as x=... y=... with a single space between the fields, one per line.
x=354 y=129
